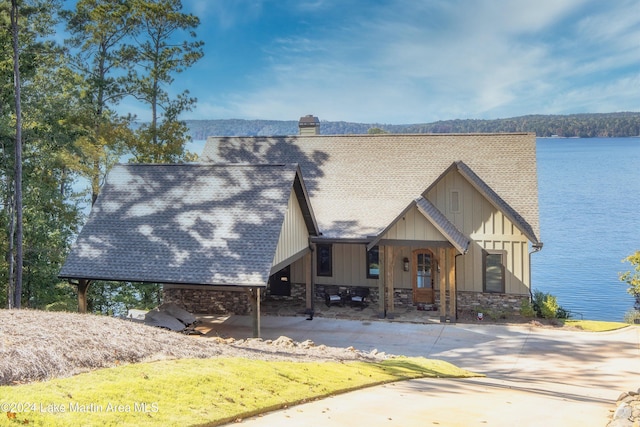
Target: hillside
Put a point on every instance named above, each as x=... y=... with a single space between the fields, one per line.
x=624 y=124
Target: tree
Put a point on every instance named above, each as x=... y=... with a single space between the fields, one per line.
x=161 y=52
x=376 y=131
x=632 y=277
x=16 y=289
x=99 y=30
x=50 y=218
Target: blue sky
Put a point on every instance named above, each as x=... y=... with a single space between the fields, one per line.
x=412 y=61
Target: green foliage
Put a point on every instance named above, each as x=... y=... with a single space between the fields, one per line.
x=116 y=298
x=526 y=309
x=632 y=316
x=546 y=306
x=159 y=53
x=376 y=131
x=493 y=313
x=632 y=277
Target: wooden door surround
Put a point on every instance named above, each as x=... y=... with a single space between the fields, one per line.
x=423 y=276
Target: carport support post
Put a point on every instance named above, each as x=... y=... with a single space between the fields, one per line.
x=254 y=300
x=308 y=282
x=83 y=286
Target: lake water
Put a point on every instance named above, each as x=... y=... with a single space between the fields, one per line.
x=589 y=199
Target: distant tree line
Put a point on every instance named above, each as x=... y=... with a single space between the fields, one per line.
x=574 y=125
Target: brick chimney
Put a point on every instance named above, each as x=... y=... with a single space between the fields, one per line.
x=309 y=125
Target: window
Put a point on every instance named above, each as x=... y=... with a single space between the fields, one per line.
x=373 y=264
x=325 y=258
x=455 y=201
x=493 y=271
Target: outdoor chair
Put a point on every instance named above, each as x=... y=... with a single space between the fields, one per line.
x=359 y=297
x=332 y=296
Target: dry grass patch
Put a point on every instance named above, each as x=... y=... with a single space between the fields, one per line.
x=211 y=391
x=37 y=345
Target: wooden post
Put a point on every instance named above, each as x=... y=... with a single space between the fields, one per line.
x=83 y=286
x=382 y=312
x=451 y=267
x=308 y=282
x=442 y=279
x=389 y=263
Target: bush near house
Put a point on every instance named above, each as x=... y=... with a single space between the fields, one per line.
x=546 y=306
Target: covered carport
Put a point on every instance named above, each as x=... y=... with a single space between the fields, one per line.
x=216 y=226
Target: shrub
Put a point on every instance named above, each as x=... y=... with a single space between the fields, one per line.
x=546 y=306
x=526 y=309
x=632 y=316
x=632 y=278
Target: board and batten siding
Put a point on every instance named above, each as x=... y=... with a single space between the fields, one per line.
x=294 y=235
x=488 y=228
x=414 y=226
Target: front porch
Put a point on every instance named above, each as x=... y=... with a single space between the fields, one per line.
x=407 y=314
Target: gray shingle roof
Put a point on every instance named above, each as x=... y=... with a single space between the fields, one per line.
x=187 y=224
x=358 y=183
x=446 y=227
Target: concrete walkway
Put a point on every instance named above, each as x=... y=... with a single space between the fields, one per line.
x=534 y=376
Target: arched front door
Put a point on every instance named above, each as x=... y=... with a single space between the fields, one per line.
x=423 y=275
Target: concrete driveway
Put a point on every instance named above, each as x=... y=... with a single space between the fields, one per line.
x=534 y=376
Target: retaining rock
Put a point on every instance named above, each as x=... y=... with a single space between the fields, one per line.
x=627 y=412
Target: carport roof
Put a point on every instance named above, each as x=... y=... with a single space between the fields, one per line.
x=187 y=224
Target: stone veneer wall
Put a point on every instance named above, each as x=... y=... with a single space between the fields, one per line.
x=298 y=293
x=477 y=301
x=207 y=301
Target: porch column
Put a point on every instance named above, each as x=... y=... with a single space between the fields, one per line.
x=308 y=281
x=451 y=279
x=388 y=273
x=83 y=286
x=381 y=280
x=442 y=282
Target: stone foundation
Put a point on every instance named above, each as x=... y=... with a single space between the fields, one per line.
x=207 y=301
x=298 y=293
x=485 y=302
x=402 y=298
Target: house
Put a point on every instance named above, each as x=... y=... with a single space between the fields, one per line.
x=197 y=227
x=426 y=220
x=419 y=219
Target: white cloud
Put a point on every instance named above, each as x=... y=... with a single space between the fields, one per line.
x=225 y=14
x=416 y=62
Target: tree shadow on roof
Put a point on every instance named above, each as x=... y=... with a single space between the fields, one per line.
x=267 y=150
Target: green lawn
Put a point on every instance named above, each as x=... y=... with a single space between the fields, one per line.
x=198 y=391
x=595 y=325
